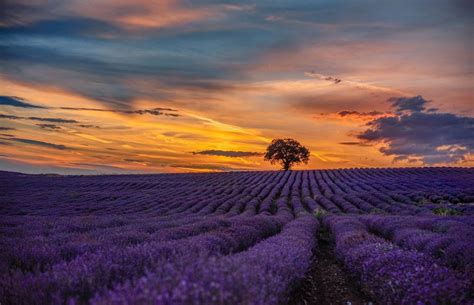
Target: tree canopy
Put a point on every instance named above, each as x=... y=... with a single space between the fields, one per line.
x=287 y=152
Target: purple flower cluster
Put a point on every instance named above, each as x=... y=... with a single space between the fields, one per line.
x=232 y=238
x=392 y=275
x=261 y=275
x=449 y=239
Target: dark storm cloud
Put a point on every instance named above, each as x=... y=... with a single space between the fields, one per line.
x=226 y=153
x=39 y=143
x=15 y=101
x=431 y=137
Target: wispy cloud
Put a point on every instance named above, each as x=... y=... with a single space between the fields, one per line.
x=228 y=153
x=49 y=126
x=356 y=84
x=154 y=111
x=39 y=143
x=16 y=101
x=205 y=167
x=52 y=120
x=355 y=144
x=345 y=113
x=88 y=126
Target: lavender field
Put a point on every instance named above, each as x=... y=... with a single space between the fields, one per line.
x=399 y=236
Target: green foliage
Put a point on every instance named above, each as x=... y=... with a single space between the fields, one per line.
x=319 y=213
x=287 y=152
x=377 y=211
x=445 y=211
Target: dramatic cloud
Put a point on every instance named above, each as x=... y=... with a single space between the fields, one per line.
x=226 y=153
x=414 y=134
x=239 y=74
x=39 y=143
x=16 y=102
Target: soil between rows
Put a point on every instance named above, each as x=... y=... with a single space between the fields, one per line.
x=327 y=283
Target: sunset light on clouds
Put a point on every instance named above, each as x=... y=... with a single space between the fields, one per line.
x=178 y=86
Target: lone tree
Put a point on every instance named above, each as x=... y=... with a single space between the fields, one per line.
x=286 y=152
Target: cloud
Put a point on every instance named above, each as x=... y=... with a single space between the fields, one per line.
x=332 y=79
x=134 y=160
x=154 y=111
x=51 y=120
x=415 y=134
x=359 y=114
x=10 y=117
x=354 y=144
x=185 y=135
x=356 y=84
x=226 y=153
x=48 y=126
x=88 y=126
x=211 y=167
x=410 y=104
x=7 y=128
x=106 y=16
x=39 y=143
x=15 y=101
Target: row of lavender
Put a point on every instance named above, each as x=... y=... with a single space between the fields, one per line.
x=136 y=261
x=231 y=238
x=379 y=191
x=393 y=271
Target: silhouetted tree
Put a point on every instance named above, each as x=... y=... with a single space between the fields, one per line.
x=286 y=152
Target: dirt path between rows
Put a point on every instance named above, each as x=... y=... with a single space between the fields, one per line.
x=327 y=283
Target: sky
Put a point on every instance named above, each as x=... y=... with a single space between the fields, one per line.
x=122 y=86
